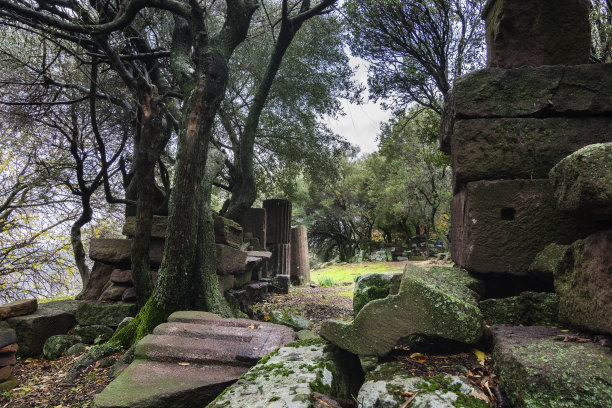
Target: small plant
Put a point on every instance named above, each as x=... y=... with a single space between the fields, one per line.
x=327 y=281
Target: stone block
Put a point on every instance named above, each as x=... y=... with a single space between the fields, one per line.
x=529 y=309
x=106 y=314
x=8 y=359
x=254 y=222
x=372 y=286
x=159 y=224
x=5 y=373
x=34 y=329
x=129 y=295
x=281 y=283
x=230 y=261
x=280 y=262
x=113 y=292
x=278 y=221
x=534 y=33
x=121 y=276
x=11 y=348
x=89 y=334
x=55 y=346
x=499 y=226
x=228 y=232
x=9 y=384
x=118 y=251
x=299 y=261
x=99 y=277
x=582 y=182
x=520 y=148
x=7 y=336
x=18 y=308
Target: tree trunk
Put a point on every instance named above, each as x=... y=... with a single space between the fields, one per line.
x=76 y=240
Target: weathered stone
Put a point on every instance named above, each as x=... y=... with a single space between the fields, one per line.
x=254 y=222
x=534 y=33
x=372 y=286
x=388 y=383
x=529 y=309
x=228 y=232
x=584 y=284
x=8 y=359
x=230 y=261
x=582 y=182
x=118 y=251
x=432 y=303
x=280 y=262
x=66 y=305
x=299 y=262
x=242 y=279
x=106 y=314
x=9 y=384
x=306 y=335
x=129 y=295
x=536 y=368
x=7 y=336
x=549 y=260
x=113 y=292
x=226 y=282
x=99 y=277
x=289 y=376
x=75 y=349
x=5 y=373
x=296 y=322
x=18 y=308
x=121 y=276
x=55 y=346
x=159 y=224
x=11 y=348
x=124 y=322
x=34 y=329
x=281 y=284
x=522 y=148
x=278 y=221
x=500 y=226
x=89 y=334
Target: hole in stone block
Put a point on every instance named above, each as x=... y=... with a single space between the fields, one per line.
x=508 y=214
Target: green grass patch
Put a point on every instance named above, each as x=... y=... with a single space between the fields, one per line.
x=53 y=299
x=337 y=275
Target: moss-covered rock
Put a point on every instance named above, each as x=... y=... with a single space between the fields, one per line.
x=529 y=308
x=75 y=349
x=373 y=286
x=106 y=314
x=94 y=334
x=582 y=182
x=55 y=346
x=228 y=232
x=433 y=303
x=296 y=322
x=549 y=260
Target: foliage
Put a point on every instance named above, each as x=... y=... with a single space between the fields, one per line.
x=601 y=26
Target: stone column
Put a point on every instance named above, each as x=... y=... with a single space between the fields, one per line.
x=279 y=264
x=278 y=236
x=300 y=265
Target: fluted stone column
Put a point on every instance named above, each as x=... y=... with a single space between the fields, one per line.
x=278 y=235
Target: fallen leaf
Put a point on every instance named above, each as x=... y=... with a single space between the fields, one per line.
x=252 y=326
x=476 y=393
x=417 y=355
x=480 y=355
x=184 y=364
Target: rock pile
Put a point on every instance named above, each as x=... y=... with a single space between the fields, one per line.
x=8 y=340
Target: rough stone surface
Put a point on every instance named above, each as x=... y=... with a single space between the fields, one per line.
x=534 y=33
x=500 y=226
x=296 y=322
x=582 y=182
x=386 y=386
x=89 y=334
x=230 y=261
x=75 y=349
x=7 y=336
x=99 y=277
x=529 y=309
x=280 y=262
x=9 y=384
x=124 y=323
x=372 y=286
x=106 y=314
x=584 y=284
x=523 y=148
x=549 y=260
x=34 y=329
x=158 y=226
x=55 y=346
x=129 y=295
x=281 y=284
x=228 y=232
x=121 y=276
x=8 y=359
x=433 y=303
x=254 y=222
x=288 y=377
x=537 y=369
x=18 y=308
x=113 y=292
x=118 y=251
x=299 y=261
x=278 y=221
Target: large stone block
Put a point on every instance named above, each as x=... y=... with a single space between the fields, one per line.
x=254 y=221
x=230 y=261
x=107 y=314
x=299 y=262
x=500 y=226
x=34 y=329
x=99 y=277
x=228 y=232
x=18 y=308
x=278 y=221
x=118 y=251
x=280 y=262
x=534 y=33
x=582 y=182
x=159 y=224
x=521 y=148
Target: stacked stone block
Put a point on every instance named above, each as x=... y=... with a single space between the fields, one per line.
x=8 y=340
x=278 y=235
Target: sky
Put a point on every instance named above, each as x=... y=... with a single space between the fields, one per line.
x=361 y=123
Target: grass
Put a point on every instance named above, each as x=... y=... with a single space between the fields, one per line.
x=53 y=299
x=337 y=275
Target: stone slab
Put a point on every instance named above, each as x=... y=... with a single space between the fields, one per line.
x=227 y=232
x=18 y=308
x=11 y=348
x=254 y=222
x=107 y=314
x=8 y=359
x=230 y=261
x=5 y=373
x=121 y=276
x=158 y=226
x=100 y=274
x=7 y=336
x=34 y=329
x=118 y=251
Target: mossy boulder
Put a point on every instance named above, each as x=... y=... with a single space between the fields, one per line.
x=106 y=314
x=529 y=308
x=549 y=260
x=94 y=334
x=55 y=346
x=296 y=322
x=582 y=182
x=75 y=349
x=373 y=286
x=433 y=303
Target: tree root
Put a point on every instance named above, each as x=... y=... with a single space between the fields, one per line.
x=94 y=354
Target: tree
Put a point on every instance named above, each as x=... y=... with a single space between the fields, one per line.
x=601 y=25
x=416 y=48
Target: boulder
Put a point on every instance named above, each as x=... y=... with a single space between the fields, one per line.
x=34 y=329
x=75 y=349
x=387 y=385
x=584 y=284
x=281 y=284
x=529 y=309
x=9 y=384
x=520 y=148
x=228 y=232
x=537 y=368
x=121 y=276
x=431 y=303
x=129 y=295
x=5 y=373
x=159 y=224
x=254 y=222
x=113 y=292
x=117 y=252
x=582 y=182
x=500 y=226
x=100 y=274
x=55 y=346
x=299 y=262
x=18 y=308
x=534 y=33
x=124 y=323
x=296 y=322
x=89 y=334
x=278 y=221
x=230 y=261
x=372 y=286
x=106 y=314
x=548 y=261
x=289 y=376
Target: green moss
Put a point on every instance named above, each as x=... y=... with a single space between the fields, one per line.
x=274 y=399
x=306 y=342
x=467 y=401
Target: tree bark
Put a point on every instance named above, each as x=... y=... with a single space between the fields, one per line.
x=76 y=240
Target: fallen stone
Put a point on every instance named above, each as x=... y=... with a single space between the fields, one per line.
x=528 y=309
x=159 y=224
x=278 y=221
x=9 y=384
x=117 y=252
x=7 y=336
x=582 y=182
x=99 y=277
x=296 y=322
x=230 y=261
x=429 y=303
x=534 y=33
x=387 y=385
x=289 y=376
x=66 y=305
x=281 y=283
x=34 y=329
x=228 y=232
x=113 y=292
x=537 y=368
x=254 y=222
x=18 y=308
x=121 y=276
x=306 y=335
x=94 y=334
x=372 y=286
x=55 y=346
x=549 y=260
x=75 y=349
x=106 y=314
x=299 y=261
x=124 y=323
